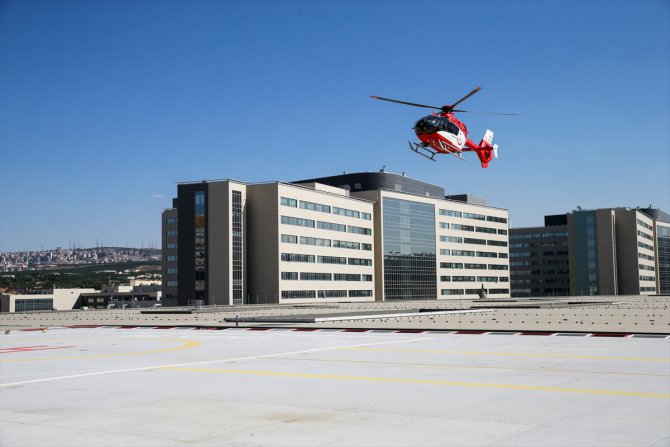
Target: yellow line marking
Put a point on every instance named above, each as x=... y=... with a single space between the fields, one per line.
x=515 y=354
x=435 y=382
x=185 y=344
x=454 y=365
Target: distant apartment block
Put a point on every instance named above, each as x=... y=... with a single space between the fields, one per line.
x=354 y=237
x=539 y=259
x=612 y=251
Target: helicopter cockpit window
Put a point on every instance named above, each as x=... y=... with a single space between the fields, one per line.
x=428 y=124
x=452 y=128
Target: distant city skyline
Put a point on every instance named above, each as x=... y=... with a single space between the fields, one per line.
x=106 y=105
x=48 y=258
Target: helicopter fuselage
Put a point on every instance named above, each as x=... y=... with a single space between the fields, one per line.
x=443 y=132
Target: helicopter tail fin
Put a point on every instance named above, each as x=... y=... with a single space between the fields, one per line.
x=487 y=141
x=487 y=150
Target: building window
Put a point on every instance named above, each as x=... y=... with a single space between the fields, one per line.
x=331 y=226
x=346 y=212
x=297 y=294
x=449 y=292
x=289 y=239
x=289 y=276
x=451 y=213
x=462 y=253
x=496 y=219
x=451 y=265
x=332 y=293
x=347 y=277
x=311 y=276
x=315 y=207
x=288 y=220
x=474 y=216
x=462 y=227
x=463 y=278
x=331 y=260
x=289 y=202
x=314 y=241
x=487 y=254
x=171 y=221
x=470 y=240
x=360 y=261
x=292 y=257
x=359 y=293
x=453 y=239
x=359 y=230
x=347 y=244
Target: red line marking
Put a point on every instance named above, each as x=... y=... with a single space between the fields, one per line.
x=471 y=332
x=83 y=326
x=30 y=348
x=355 y=330
x=164 y=327
x=536 y=333
x=609 y=334
x=410 y=331
x=305 y=329
x=259 y=329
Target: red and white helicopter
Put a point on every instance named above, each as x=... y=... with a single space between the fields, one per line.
x=443 y=133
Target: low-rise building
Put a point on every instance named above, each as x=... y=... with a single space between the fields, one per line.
x=48 y=299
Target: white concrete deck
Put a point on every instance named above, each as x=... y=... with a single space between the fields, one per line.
x=178 y=387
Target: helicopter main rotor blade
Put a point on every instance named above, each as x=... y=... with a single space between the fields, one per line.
x=487 y=113
x=406 y=103
x=464 y=98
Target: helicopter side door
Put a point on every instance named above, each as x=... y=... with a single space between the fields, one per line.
x=452 y=133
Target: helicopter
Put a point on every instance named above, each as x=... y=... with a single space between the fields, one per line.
x=443 y=133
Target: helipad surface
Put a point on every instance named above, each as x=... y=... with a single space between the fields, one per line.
x=175 y=387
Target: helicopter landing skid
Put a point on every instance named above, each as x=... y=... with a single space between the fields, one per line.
x=417 y=147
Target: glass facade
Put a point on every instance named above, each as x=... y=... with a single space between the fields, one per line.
x=27 y=305
x=585 y=253
x=409 y=250
x=200 y=244
x=237 y=248
x=663 y=258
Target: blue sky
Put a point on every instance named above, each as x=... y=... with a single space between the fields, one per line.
x=106 y=105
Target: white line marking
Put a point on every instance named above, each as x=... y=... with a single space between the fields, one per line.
x=401 y=315
x=236 y=359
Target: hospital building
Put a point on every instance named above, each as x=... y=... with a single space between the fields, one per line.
x=373 y=236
